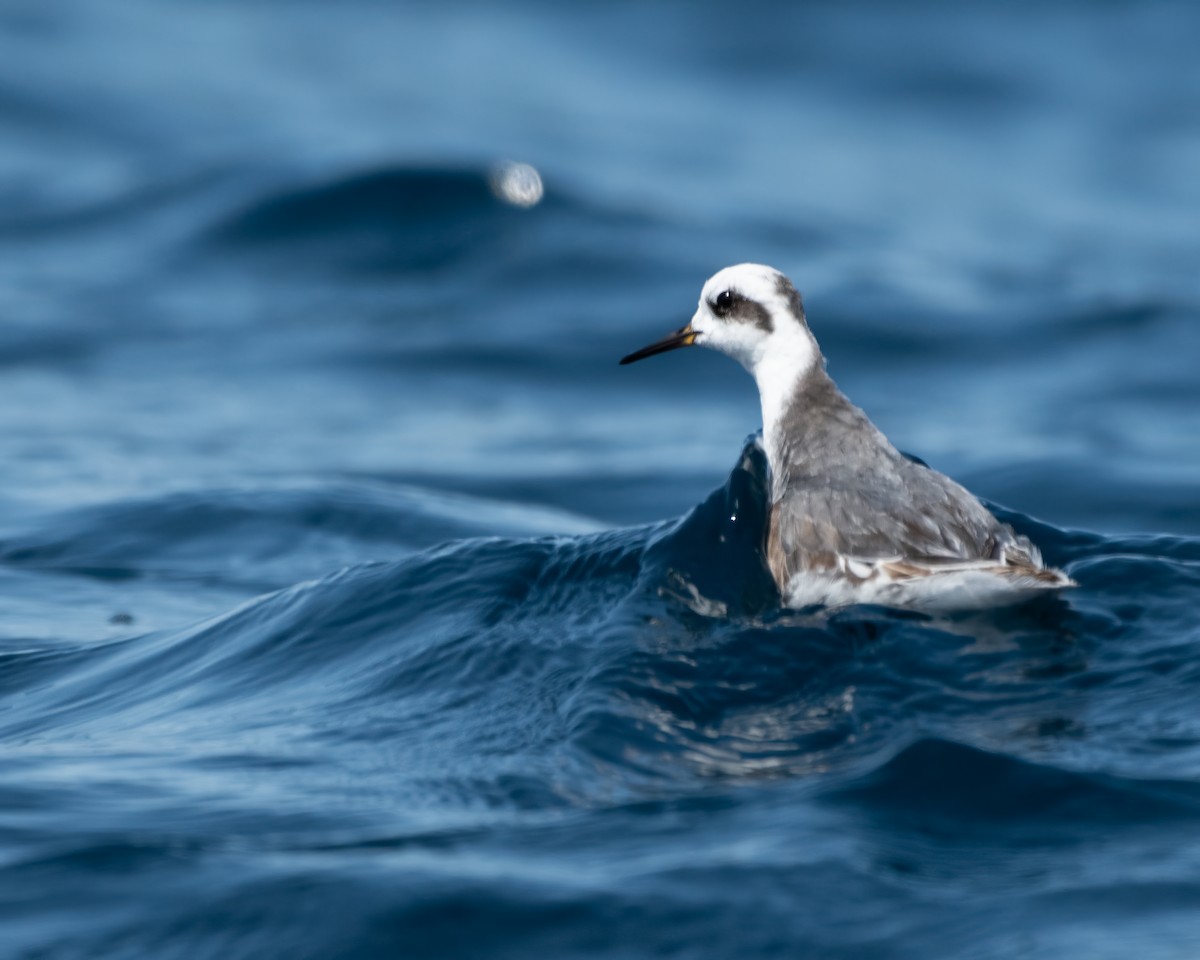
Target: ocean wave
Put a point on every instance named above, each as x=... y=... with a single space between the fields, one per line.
x=630 y=675
x=656 y=654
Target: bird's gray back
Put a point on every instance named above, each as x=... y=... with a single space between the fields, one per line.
x=840 y=489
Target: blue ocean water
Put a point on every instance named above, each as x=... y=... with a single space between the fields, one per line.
x=357 y=604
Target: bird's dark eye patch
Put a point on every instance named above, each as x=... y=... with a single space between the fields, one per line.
x=735 y=307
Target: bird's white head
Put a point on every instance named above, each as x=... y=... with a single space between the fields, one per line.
x=753 y=314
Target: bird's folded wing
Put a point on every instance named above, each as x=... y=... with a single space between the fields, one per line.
x=922 y=522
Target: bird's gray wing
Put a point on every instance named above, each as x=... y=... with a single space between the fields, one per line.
x=907 y=513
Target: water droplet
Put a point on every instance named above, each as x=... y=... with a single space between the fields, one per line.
x=518 y=184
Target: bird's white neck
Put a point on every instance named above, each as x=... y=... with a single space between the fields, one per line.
x=779 y=372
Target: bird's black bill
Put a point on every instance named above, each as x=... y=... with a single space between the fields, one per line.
x=680 y=338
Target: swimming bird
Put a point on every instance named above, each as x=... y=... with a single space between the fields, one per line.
x=852 y=519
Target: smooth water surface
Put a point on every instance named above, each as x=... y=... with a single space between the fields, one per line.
x=357 y=604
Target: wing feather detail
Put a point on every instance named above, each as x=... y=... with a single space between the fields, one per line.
x=910 y=524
